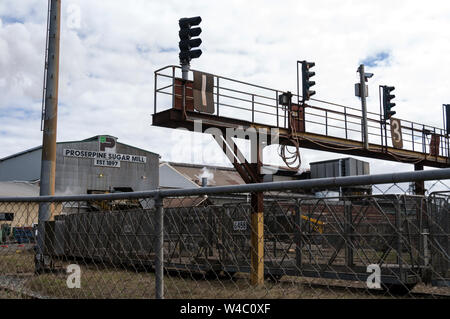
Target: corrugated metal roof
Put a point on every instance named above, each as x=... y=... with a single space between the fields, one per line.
x=217 y=176
x=18 y=189
x=21 y=153
x=170 y=177
x=69 y=142
x=222 y=176
x=336 y=160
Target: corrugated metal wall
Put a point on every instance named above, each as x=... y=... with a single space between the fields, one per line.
x=25 y=167
x=339 y=167
x=78 y=175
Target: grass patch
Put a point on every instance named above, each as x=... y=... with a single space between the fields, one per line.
x=16 y=263
x=122 y=284
x=7 y=294
x=100 y=282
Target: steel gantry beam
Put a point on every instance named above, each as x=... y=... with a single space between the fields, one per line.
x=172 y=118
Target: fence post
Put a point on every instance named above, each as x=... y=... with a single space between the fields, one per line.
x=298 y=238
x=399 y=235
x=257 y=240
x=348 y=231
x=159 y=249
x=43 y=261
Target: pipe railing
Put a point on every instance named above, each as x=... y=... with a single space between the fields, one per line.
x=259 y=104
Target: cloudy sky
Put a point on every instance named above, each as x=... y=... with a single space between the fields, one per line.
x=110 y=49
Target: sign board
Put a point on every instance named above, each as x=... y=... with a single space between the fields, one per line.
x=106 y=156
x=434 y=145
x=107 y=144
x=106 y=163
x=297 y=118
x=358 y=89
x=240 y=225
x=396 y=133
x=203 y=92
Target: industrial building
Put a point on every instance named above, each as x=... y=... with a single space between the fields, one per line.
x=95 y=165
x=340 y=168
x=98 y=164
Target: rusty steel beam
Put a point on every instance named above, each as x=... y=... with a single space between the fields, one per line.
x=238 y=159
x=238 y=166
x=172 y=118
x=252 y=172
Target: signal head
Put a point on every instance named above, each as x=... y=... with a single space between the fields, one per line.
x=389 y=88
x=186 y=34
x=189 y=44
x=188 y=22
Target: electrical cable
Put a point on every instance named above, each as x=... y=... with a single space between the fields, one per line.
x=290 y=158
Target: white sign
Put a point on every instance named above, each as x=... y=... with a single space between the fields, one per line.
x=396 y=132
x=240 y=225
x=105 y=156
x=106 y=163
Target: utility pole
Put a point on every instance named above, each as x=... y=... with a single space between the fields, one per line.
x=363 y=94
x=48 y=162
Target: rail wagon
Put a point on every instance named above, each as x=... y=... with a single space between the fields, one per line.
x=323 y=238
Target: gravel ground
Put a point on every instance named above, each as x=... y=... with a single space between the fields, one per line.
x=14 y=287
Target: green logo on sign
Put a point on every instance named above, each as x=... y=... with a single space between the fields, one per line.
x=102 y=139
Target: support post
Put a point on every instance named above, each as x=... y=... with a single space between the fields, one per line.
x=159 y=249
x=362 y=92
x=298 y=238
x=185 y=67
x=399 y=240
x=419 y=187
x=48 y=160
x=426 y=250
x=257 y=240
x=348 y=234
x=257 y=221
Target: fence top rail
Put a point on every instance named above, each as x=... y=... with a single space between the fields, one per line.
x=391 y=178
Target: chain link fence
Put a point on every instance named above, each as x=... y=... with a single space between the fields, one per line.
x=359 y=239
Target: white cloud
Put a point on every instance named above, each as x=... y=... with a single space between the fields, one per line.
x=107 y=65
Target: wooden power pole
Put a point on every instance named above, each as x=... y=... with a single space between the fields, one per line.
x=50 y=117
